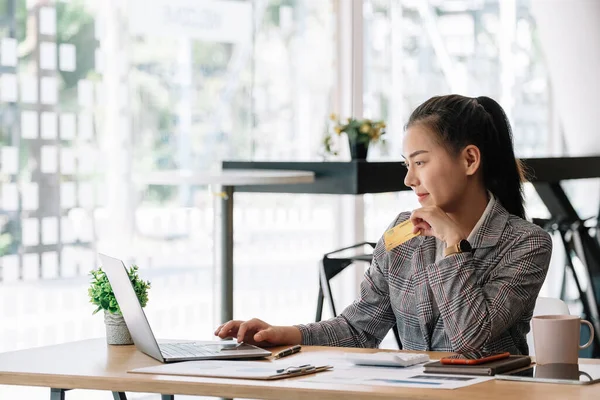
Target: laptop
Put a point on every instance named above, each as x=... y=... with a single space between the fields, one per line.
x=144 y=338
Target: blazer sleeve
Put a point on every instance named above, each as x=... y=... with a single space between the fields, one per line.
x=366 y=321
x=474 y=314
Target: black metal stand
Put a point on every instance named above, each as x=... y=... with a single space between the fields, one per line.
x=59 y=394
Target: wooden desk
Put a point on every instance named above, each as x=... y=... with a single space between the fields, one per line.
x=91 y=364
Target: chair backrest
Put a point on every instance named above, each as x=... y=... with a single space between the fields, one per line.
x=546 y=306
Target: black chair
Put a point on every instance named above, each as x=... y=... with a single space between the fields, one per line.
x=330 y=267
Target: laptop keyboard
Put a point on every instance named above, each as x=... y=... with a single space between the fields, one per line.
x=181 y=350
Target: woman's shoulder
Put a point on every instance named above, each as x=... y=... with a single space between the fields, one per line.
x=524 y=229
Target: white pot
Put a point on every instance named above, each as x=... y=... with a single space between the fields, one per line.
x=116 y=329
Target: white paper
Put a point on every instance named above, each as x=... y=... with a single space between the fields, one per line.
x=10 y=268
x=85 y=93
x=67 y=126
x=50 y=265
x=29 y=89
x=30 y=231
x=99 y=67
x=30 y=196
x=10 y=160
x=29 y=125
x=68 y=262
x=86 y=195
x=9 y=52
x=48 y=55
x=67 y=234
x=49 y=90
x=345 y=373
x=216 y=368
x=48 y=159
x=50 y=230
x=47 y=21
x=10 y=197
x=8 y=87
x=67 y=161
x=49 y=125
x=381 y=376
x=85 y=126
x=67 y=57
x=31 y=267
x=67 y=195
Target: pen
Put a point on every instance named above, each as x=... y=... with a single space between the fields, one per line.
x=289 y=351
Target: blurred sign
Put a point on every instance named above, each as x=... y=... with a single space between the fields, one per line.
x=211 y=20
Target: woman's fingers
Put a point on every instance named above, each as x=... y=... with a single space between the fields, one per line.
x=228 y=329
x=254 y=331
x=249 y=328
x=267 y=335
x=218 y=329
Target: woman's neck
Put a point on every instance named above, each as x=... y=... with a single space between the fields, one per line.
x=470 y=210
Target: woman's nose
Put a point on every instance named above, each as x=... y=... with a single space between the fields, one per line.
x=410 y=179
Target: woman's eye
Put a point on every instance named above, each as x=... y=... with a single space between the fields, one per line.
x=419 y=163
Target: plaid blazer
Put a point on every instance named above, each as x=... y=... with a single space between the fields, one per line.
x=484 y=299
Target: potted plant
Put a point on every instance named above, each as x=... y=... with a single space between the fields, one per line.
x=360 y=133
x=101 y=295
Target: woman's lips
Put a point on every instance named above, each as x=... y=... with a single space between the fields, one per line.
x=422 y=196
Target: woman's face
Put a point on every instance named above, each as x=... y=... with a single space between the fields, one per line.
x=436 y=177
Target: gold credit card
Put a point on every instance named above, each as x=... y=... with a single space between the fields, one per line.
x=399 y=234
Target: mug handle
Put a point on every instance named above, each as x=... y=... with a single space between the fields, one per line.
x=583 y=321
x=581 y=373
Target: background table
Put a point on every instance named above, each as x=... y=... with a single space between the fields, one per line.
x=228 y=180
x=91 y=364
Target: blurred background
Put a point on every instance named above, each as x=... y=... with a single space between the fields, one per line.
x=94 y=93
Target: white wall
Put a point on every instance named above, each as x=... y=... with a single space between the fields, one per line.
x=569 y=31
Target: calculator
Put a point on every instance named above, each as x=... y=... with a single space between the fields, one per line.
x=387 y=359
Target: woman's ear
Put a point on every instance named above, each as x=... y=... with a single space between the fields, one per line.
x=472 y=159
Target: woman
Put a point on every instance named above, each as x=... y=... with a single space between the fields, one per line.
x=470 y=280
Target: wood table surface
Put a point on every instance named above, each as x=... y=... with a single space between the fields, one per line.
x=92 y=364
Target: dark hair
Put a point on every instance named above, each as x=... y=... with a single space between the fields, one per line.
x=460 y=121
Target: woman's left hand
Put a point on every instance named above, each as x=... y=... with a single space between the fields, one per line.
x=432 y=221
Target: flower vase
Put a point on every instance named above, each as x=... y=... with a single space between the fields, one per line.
x=116 y=329
x=358 y=150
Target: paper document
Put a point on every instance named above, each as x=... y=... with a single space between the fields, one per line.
x=263 y=370
x=345 y=372
x=382 y=376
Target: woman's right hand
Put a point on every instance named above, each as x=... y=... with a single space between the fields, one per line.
x=259 y=333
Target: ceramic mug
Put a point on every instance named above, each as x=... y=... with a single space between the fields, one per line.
x=556 y=338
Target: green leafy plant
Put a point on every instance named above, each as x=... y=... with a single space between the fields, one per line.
x=358 y=131
x=101 y=293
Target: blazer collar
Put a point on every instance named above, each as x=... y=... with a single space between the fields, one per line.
x=492 y=227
